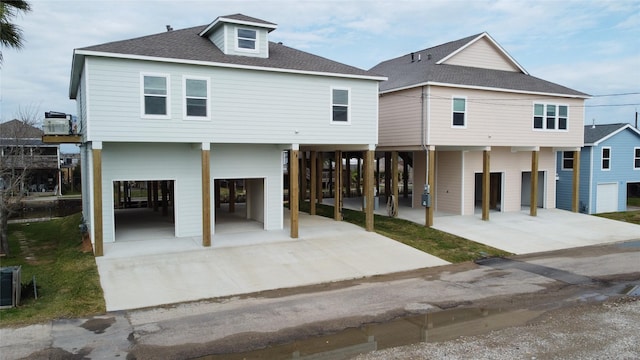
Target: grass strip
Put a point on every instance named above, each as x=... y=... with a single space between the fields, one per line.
x=446 y=246
x=67 y=278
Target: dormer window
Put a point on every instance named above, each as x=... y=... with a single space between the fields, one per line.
x=247 y=39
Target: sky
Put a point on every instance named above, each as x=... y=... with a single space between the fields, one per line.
x=589 y=46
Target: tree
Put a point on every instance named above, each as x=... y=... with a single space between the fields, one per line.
x=11 y=34
x=16 y=154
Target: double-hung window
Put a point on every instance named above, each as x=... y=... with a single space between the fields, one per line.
x=636 y=158
x=196 y=98
x=606 y=158
x=155 y=95
x=550 y=116
x=567 y=160
x=247 y=39
x=340 y=105
x=459 y=112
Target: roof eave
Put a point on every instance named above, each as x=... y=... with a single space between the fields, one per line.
x=474 y=87
x=222 y=20
x=84 y=53
x=77 y=64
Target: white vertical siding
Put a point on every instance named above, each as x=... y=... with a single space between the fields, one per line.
x=179 y=162
x=232 y=161
x=255 y=199
x=247 y=106
x=482 y=54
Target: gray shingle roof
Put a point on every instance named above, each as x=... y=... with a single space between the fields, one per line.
x=402 y=73
x=186 y=44
x=242 y=17
x=593 y=134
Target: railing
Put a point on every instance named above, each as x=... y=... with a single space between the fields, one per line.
x=55 y=126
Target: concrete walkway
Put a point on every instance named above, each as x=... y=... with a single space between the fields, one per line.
x=137 y=274
x=518 y=232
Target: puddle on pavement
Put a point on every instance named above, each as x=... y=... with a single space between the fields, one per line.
x=431 y=327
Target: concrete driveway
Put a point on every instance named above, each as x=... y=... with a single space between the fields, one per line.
x=518 y=232
x=551 y=229
x=150 y=272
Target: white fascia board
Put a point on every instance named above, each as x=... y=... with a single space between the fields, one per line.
x=233 y=21
x=495 y=43
x=473 y=87
x=627 y=126
x=226 y=65
x=77 y=63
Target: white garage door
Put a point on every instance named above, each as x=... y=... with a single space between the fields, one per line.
x=607 y=198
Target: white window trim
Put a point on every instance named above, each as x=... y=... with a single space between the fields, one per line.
x=544 y=116
x=142 y=95
x=184 y=97
x=635 y=158
x=348 y=122
x=466 y=112
x=236 y=38
x=562 y=160
x=602 y=158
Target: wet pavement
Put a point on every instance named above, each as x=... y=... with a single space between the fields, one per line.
x=342 y=319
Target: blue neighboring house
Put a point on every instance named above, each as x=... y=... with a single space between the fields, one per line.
x=609 y=169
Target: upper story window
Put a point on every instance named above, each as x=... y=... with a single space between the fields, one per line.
x=459 y=112
x=606 y=158
x=340 y=105
x=247 y=39
x=567 y=160
x=636 y=158
x=550 y=116
x=155 y=93
x=196 y=98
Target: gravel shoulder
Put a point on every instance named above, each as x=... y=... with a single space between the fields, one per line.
x=600 y=330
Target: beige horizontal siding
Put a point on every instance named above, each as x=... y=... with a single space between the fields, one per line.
x=482 y=54
x=499 y=119
x=400 y=117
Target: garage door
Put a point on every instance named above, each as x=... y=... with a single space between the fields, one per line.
x=607 y=198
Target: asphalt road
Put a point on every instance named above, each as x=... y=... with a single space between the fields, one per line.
x=340 y=320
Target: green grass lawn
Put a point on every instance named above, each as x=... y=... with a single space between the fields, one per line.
x=66 y=277
x=626 y=216
x=443 y=245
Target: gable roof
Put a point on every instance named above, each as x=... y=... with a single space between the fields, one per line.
x=431 y=69
x=16 y=129
x=595 y=134
x=188 y=46
x=240 y=19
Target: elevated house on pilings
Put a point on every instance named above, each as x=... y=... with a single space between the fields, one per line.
x=479 y=130
x=23 y=152
x=197 y=108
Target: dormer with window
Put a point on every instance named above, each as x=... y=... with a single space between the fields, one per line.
x=240 y=35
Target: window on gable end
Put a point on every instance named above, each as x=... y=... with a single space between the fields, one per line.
x=606 y=158
x=247 y=39
x=340 y=105
x=196 y=98
x=155 y=96
x=459 y=112
x=636 y=158
x=567 y=160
